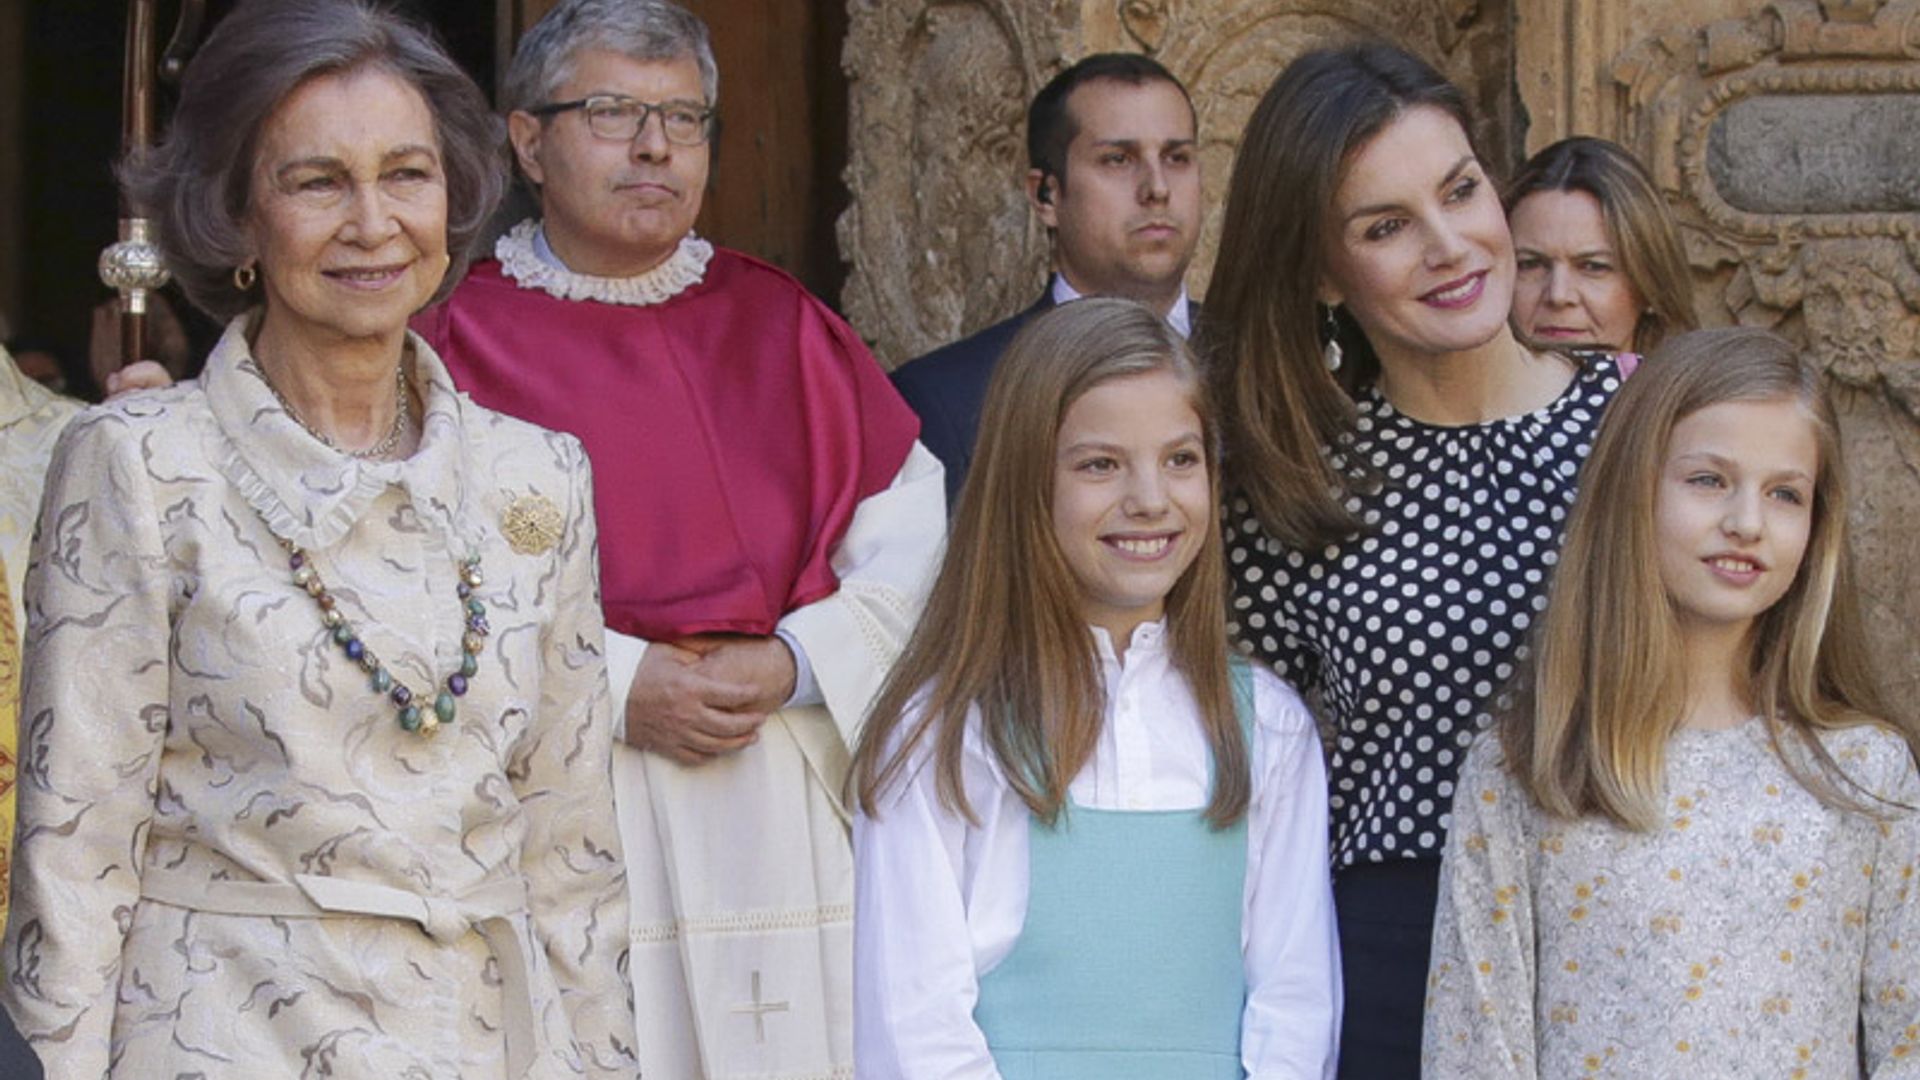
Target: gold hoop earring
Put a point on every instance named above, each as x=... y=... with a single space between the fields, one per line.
x=244 y=277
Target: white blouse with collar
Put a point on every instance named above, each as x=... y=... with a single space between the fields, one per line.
x=939 y=903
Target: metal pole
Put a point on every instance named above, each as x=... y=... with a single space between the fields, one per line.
x=132 y=266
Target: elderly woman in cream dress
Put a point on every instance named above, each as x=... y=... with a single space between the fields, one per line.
x=315 y=723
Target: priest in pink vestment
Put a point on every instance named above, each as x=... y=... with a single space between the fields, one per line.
x=768 y=523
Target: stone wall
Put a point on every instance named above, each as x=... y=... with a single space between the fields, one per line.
x=939 y=233
x=1766 y=124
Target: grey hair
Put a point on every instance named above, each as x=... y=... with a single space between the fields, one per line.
x=195 y=183
x=638 y=29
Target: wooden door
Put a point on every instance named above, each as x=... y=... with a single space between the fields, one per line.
x=13 y=39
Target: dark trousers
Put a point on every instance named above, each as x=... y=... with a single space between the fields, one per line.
x=1386 y=934
x=17 y=1062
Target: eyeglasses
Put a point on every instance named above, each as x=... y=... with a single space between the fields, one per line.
x=609 y=116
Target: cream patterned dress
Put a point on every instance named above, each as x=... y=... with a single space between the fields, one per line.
x=233 y=863
x=1756 y=935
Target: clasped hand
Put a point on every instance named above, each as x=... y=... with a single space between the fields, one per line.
x=695 y=699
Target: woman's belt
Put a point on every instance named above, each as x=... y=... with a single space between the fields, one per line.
x=490 y=909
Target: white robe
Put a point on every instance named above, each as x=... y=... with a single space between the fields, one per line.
x=741 y=870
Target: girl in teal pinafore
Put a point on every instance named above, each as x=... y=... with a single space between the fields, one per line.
x=1089 y=845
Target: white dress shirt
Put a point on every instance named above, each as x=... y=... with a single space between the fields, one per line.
x=939 y=902
x=1180 y=316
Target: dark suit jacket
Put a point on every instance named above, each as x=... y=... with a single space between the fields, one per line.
x=948 y=387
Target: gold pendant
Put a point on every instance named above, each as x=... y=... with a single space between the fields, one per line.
x=531 y=524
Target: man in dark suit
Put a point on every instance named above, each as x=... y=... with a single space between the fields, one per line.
x=1115 y=177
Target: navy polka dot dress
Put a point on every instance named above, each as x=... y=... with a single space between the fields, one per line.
x=1406 y=630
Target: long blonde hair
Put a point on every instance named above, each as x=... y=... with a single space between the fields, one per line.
x=1004 y=628
x=1587 y=728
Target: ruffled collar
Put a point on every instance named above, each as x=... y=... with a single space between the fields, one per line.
x=311 y=495
x=519 y=252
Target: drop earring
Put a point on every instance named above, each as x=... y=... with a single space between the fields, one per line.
x=1331 y=352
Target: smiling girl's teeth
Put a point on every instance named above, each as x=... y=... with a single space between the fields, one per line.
x=1143 y=547
x=1458 y=292
x=1738 y=566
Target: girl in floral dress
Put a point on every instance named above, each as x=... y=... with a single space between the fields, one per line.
x=1689 y=845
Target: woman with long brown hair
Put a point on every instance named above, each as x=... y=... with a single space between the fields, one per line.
x=1692 y=836
x=1088 y=843
x=1398 y=467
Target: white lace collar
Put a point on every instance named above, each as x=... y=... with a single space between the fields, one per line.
x=520 y=259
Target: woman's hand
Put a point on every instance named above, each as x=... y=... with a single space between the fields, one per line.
x=139 y=375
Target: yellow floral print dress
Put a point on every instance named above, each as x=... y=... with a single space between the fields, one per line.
x=31 y=419
x=9 y=712
x=1756 y=933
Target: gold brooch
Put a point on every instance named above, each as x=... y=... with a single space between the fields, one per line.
x=531 y=524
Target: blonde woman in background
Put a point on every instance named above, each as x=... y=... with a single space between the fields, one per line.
x=1600 y=263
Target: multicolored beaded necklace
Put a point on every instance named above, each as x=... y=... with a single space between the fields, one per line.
x=412 y=716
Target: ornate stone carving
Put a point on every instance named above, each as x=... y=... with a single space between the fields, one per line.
x=1146 y=22
x=939 y=233
x=1845 y=281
